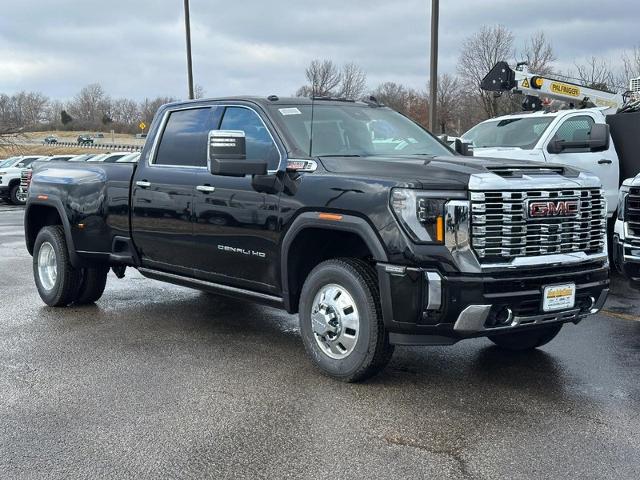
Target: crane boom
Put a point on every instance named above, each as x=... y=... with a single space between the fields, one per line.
x=502 y=78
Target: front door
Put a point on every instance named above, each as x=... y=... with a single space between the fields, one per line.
x=236 y=225
x=163 y=191
x=603 y=164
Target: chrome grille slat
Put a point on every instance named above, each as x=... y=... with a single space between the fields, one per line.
x=632 y=213
x=501 y=229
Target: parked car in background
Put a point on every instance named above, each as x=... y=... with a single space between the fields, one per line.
x=82 y=158
x=10 y=171
x=626 y=237
x=131 y=158
x=85 y=139
x=109 y=157
x=50 y=139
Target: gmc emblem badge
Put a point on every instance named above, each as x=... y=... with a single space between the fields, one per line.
x=553 y=208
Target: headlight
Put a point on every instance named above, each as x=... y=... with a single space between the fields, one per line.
x=622 y=202
x=420 y=213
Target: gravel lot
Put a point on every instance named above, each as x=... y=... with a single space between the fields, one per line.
x=158 y=381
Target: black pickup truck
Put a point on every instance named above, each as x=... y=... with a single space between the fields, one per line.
x=347 y=213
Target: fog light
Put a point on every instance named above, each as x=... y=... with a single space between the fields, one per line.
x=504 y=316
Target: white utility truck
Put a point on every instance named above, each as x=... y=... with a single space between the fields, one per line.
x=578 y=136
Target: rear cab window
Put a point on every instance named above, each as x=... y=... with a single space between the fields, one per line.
x=184 y=139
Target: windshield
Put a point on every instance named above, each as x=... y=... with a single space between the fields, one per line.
x=8 y=162
x=28 y=161
x=513 y=132
x=356 y=130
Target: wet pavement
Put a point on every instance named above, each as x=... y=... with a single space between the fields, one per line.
x=158 y=381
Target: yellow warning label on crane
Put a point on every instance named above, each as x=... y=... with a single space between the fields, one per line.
x=565 y=89
x=525 y=83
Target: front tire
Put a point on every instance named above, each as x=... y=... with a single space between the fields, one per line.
x=14 y=196
x=527 y=340
x=56 y=279
x=341 y=320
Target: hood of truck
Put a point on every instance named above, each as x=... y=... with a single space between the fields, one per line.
x=428 y=172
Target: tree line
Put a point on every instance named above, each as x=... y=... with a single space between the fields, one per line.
x=461 y=103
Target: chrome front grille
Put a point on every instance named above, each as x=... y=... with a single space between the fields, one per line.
x=502 y=227
x=632 y=216
x=25 y=178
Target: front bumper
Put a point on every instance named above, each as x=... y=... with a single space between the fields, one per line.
x=4 y=191
x=626 y=253
x=425 y=307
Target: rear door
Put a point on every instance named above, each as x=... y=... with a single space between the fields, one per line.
x=236 y=226
x=603 y=164
x=163 y=191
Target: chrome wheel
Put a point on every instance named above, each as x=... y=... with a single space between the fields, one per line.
x=335 y=321
x=47 y=266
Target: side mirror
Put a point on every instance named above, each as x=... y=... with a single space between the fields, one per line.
x=555 y=146
x=597 y=141
x=463 y=148
x=227 y=155
x=20 y=165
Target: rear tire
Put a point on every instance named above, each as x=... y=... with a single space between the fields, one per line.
x=92 y=285
x=56 y=279
x=528 y=340
x=356 y=345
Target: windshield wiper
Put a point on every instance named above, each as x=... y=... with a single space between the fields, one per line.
x=340 y=155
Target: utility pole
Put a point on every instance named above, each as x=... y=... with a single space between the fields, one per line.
x=187 y=28
x=433 y=81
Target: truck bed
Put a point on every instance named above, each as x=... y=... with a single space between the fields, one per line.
x=94 y=197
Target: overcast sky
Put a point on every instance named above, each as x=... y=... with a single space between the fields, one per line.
x=135 y=48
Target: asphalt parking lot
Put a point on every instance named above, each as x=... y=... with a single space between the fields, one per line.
x=158 y=381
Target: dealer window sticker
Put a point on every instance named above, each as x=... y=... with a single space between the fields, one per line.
x=289 y=111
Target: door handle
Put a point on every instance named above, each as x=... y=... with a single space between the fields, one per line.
x=604 y=161
x=205 y=188
x=143 y=184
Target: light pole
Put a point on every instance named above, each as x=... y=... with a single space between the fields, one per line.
x=187 y=29
x=433 y=81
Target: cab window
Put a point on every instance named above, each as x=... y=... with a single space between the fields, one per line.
x=260 y=145
x=575 y=129
x=184 y=140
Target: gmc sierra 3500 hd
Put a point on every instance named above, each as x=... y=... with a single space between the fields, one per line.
x=345 y=212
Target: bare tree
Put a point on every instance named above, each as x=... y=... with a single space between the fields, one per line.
x=392 y=95
x=148 y=107
x=88 y=106
x=538 y=53
x=354 y=82
x=125 y=114
x=596 y=73
x=198 y=91
x=448 y=102
x=323 y=76
x=480 y=52
x=408 y=101
x=630 y=67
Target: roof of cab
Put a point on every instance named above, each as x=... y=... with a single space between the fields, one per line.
x=271 y=100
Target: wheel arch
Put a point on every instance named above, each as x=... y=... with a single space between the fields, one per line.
x=357 y=238
x=39 y=214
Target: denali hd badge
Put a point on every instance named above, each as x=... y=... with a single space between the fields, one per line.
x=553 y=208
